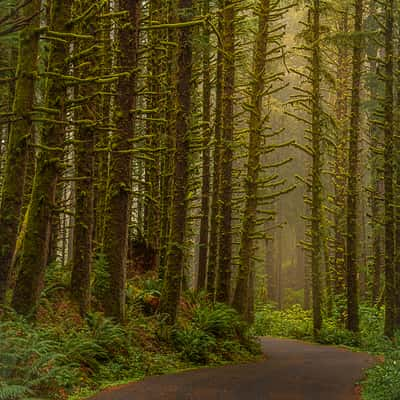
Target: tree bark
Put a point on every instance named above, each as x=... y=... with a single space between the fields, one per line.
x=175 y=260
x=18 y=143
x=118 y=205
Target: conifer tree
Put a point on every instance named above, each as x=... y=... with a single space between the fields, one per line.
x=19 y=140
x=227 y=135
x=263 y=81
x=84 y=138
x=388 y=127
x=118 y=196
x=215 y=217
x=352 y=192
x=205 y=195
x=42 y=205
x=175 y=258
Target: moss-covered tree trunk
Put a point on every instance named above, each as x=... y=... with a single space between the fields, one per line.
x=206 y=162
x=18 y=142
x=36 y=243
x=352 y=188
x=316 y=174
x=118 y=205
x=223 y=288
x=102 y=136
x=388 y=104
x=341 y=114
x=175 y=259
x=256 y=124
x=82 y=247
x=169 y=15
x=216 y=178
x=155 y=126
x=376 y=160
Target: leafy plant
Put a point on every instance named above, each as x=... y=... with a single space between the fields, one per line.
x=194 y=344
x=219 y=320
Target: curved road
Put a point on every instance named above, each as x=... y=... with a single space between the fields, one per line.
x=292 y=370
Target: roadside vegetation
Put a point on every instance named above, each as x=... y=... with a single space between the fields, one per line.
x=382 y=382
x=64 y=356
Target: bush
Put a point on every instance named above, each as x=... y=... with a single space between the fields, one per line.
x=32 y=361
x=213 y=333
x=293 y=323
x=219 y=320
x=194 y=344
x=383 y=381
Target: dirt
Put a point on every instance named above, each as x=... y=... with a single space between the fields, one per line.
x=292 y=370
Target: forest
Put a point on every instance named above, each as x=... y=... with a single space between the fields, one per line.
x=181 y=177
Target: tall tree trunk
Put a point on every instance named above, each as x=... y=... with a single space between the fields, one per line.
x=155 y=127
x=18 y=143
x=352 y=190
x=341 y=113
x=228 y=92
x=316 y=200
x=102 y=136
x=175 y=260
x=256 y=125
x=388 y=171
x=118 y=205
x=215 y=220
x=375 y=133
x=84 y=169
x=170 y=16
x=36 y=243
x=205 y=190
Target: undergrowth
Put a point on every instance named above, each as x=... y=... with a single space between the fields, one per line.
x=63 y=356
x=382 y=382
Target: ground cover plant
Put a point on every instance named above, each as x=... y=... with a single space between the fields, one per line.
x=65 y=356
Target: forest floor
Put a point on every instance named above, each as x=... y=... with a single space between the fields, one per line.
x=291 y=370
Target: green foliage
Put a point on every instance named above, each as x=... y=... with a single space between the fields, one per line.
x=32 y=361
x=146 y=297
x=194 y=344
x=293 y=322
x=212 y=333
x=54 y=359
x=102 y=276
x=383 y=381
x=219 y=320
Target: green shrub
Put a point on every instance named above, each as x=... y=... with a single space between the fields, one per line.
x=219 y=320
x=147 y=297
x=32 y=361
x=383 y=381
x=292 y=323
x=194 y=344
x=101 y=275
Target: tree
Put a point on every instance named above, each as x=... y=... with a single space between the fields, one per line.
x=118 y=196
x=205 y=195
x=42 y=205
x=263 y=82
x=21 y=136
x=228 y=91
x=215 y=217
x=174 y=271
x=388 y=105
x=84 y=140
x=352 y=192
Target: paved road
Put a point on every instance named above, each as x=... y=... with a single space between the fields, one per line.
x=293 y=370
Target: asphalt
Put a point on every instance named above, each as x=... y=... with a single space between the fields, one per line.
x=292 y=370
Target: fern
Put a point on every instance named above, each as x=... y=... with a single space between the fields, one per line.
x=14 y=392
